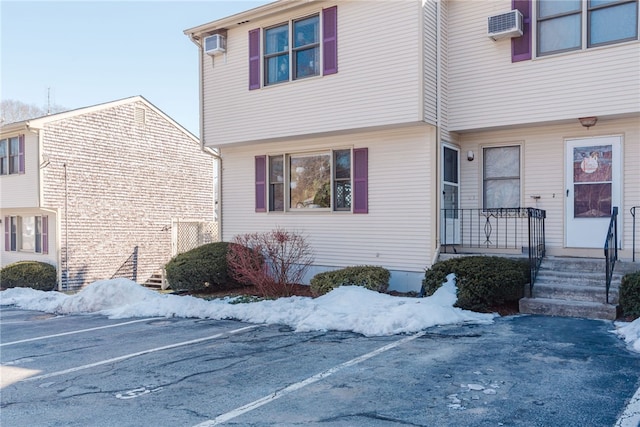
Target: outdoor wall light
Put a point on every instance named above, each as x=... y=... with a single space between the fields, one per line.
x=470 y=156
x=588 y=121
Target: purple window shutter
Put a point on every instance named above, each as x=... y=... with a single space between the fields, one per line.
x=360 y=180
x=330 y=40
x=254 y=59
x=21 y=153
x=7 y=234
x=45 y=234
x=521 y=46
x=261 y=183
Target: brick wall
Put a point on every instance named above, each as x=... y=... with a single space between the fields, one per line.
x=125 y=181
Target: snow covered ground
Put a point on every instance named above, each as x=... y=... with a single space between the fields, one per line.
x=348 y=308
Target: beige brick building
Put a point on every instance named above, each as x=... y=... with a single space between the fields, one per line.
x=95 y=191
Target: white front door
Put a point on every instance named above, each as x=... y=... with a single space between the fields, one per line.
x=592 y=189
x=450 y=227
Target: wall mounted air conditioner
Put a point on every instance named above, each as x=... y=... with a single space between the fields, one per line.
x=505 y=25
x=215 y=44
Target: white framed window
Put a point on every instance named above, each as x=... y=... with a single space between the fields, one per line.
x=292 y=55
x=501 y=177
x=305 y=181
x=293 y=50
x=327 y=180
x=573 y=24
x=12 y=155
x=26 y=234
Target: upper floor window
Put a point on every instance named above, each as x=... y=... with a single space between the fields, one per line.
x=569 y=24
x=12 y=155
x=299 y=58
x=294 y=50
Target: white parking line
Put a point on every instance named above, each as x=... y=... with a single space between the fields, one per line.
x=293 y=387
x=631 y=415
x=139 y=353
x=78 y=331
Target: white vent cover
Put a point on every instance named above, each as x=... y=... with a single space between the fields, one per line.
x=505 y=25
x=215 y=44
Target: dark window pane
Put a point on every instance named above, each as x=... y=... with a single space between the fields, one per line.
x=592 y=200
x=276 y=40
x=343 y=164
x=450 y=165
x=307 y=63
x=277 y=69
x=276 y=197
x=306 y=31
x=276 y=169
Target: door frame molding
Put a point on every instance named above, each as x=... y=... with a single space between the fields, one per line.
x=617 y=196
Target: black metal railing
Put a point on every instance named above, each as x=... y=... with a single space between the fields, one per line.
x=611 y=249
x=537 y=248
x=129 y=268
x=633 y=233
x=500 y=229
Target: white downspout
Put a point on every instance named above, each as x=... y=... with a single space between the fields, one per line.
x=438 y=126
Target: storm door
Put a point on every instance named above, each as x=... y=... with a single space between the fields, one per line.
x=592 y=189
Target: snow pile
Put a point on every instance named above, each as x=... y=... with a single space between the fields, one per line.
x=348 y=308
x=630 y=333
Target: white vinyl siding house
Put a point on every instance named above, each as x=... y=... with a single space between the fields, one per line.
x=354 y=97
x=415 y=80
x=487 y=89
x=338 y=238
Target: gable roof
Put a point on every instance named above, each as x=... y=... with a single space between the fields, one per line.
x=40 y=122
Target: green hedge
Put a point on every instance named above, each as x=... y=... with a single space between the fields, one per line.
x=368 y=276
x=630 y=294
x=29 y=274
x=201 y=269
x=483 y=282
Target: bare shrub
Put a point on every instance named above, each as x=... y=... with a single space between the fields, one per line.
x=273 y=261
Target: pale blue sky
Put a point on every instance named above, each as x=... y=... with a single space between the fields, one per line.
x=91 y=52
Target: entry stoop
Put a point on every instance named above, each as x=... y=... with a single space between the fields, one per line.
x=576 y=287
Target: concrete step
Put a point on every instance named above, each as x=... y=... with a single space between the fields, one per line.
x=571 y=292
x=554 y=307
x=574 y=278
x=155 y=282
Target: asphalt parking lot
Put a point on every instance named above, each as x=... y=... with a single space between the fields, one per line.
x=520 y=371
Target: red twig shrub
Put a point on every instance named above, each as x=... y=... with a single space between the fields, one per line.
x=273 y=261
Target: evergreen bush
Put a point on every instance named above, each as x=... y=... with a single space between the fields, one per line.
x=29 y=274
x=368 y=276
x=630 y=294
x=482 y=281
x=202 y=268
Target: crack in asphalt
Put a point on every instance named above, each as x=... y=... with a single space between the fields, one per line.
x=373 y=416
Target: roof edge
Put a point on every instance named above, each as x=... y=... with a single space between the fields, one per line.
x=268 y=9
